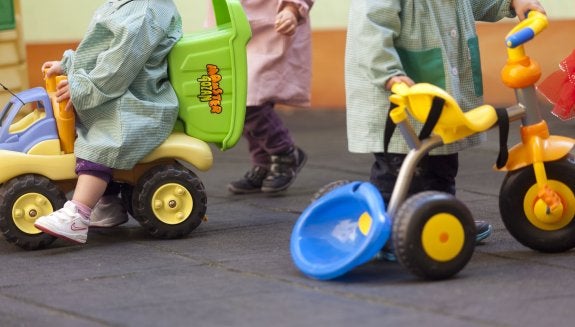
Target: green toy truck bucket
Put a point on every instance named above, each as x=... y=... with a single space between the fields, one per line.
x=208 y=70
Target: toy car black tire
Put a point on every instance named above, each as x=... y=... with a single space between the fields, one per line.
x=169 y=201
x=22 y=200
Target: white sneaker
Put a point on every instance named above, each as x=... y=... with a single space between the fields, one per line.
x=109 y=213
x=65 y=223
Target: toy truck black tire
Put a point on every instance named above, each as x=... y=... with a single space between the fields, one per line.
x=22 y=200
x=169 y=201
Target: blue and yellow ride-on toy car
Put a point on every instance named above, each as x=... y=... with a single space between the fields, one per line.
x=208 y=71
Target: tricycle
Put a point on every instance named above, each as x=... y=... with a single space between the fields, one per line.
x=433 y=233
x=208 y=71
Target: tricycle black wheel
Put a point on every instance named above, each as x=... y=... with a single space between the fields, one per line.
x=525 y=216
x=433 y=235
x=23 y=200
x=328 y=188
x=169 y=201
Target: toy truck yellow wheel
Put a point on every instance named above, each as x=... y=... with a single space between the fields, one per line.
x=527 y=221
x=28 y=208
x=169 y=201
x=433 y=235
x=172 y=203
x=22 y=200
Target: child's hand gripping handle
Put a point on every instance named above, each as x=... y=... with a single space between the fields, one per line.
x=520 y=71
x=63 y=110
x=526 y=29
x=65 y=119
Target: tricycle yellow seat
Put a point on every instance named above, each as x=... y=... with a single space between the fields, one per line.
x=453 y=123
x=208 y=70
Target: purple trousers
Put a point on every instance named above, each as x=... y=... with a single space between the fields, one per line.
x=265 y=133
x=85 y=167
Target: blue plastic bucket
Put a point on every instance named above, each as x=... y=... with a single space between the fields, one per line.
x=340 y=231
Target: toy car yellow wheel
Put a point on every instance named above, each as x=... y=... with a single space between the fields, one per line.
x=23 y=200
x=433 y=235
x=526 y=216
x=169 y=201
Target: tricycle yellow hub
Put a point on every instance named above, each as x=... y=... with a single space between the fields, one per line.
x=443 y=237
x=541 y=216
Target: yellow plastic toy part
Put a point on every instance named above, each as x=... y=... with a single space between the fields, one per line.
x=27 y=121
x=398 y=114
x=443 y=237
x=65 y=119
x=183 y=147
x=537 y=146
x=535 y=21
x=178 y=146
x=520 y=71
x=54 y=167
x=453 y=123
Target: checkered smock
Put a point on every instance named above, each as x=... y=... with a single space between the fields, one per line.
x=432 y=41
x=118 y=77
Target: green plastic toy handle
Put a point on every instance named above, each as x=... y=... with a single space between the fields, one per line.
x=221 y=12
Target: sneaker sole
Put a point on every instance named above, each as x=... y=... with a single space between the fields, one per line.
x=64 y=237
x=285 y=187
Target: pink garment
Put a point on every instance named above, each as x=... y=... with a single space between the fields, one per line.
x=279 y=66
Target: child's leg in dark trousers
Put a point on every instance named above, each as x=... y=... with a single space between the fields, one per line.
x=432 y=173
x=265 y=133
x=276 y=160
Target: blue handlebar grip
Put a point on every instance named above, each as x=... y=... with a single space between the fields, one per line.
x=519 y=37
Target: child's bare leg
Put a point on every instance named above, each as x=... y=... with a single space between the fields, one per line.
x=73 y=220
x=89 y=189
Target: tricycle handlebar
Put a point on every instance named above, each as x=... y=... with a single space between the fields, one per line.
x=526 y=29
